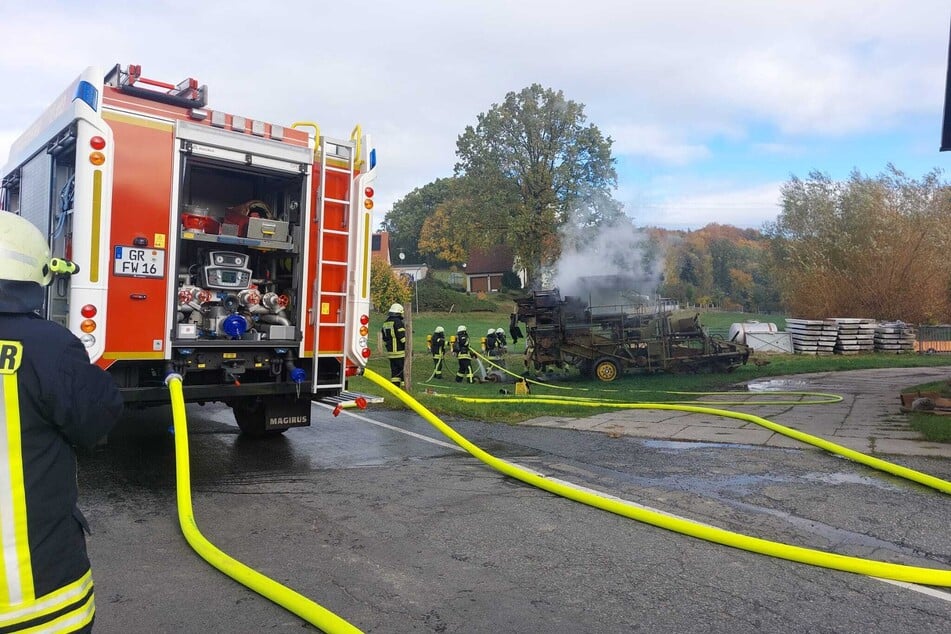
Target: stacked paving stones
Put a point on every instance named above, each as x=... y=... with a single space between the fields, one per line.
x=813 y=336
x=894 y=336
x=854 y=335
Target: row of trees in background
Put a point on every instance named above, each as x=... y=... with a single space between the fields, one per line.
x=534 y=176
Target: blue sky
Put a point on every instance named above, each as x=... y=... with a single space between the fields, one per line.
x=712 y=105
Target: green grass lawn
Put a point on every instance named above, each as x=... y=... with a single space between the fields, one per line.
x=436 y=395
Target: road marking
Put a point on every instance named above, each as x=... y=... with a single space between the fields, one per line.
x=931 y=592
x=397 y=429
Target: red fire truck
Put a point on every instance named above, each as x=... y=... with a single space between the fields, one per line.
x=230 y=250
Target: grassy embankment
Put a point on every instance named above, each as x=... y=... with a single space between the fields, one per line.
x=654 y=388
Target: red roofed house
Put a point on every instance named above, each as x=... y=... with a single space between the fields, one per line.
x=380 y=245
x=484 y=269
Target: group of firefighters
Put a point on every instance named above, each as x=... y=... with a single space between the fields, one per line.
x=494 y=348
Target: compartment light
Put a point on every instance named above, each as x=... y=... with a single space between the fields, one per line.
x=88 y=340
x=88 y=311
x=364 y=331
x=97 y=158
x=365 y=353
x=364 y=319
x=368 y=203
x=368 y=191
x=97 y=143
x=87 y=326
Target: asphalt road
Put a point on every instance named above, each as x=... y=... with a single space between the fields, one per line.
x=398 y=534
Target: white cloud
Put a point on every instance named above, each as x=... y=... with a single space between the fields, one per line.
x=666 y=80
x=655 y=142
x=746 y=207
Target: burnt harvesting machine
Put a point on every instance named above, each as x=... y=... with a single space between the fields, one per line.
x=605 y=340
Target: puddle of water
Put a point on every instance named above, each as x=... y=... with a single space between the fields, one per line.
x=678 y=445
x=850 y=478
x=777 y=385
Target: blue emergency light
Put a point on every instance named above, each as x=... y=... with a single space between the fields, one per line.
x=87 y=93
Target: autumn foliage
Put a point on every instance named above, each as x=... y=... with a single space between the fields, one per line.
x=386 y=287
x=866 y=247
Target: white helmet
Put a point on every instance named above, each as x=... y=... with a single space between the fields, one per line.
x=461 y=329
x=440 y=329
x=397 y=308
x=24 y=253
x=500 y=331
x=491 y=331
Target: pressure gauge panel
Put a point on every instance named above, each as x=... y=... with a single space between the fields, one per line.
x=226 y=271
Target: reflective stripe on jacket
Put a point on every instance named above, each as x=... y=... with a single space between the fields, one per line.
x=394 y=336
x=52 y=398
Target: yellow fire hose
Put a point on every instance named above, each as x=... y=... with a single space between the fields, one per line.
x=886 y=570
x=300 y=605
x=817 y=398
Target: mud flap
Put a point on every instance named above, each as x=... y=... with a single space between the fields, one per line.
x=284 y=413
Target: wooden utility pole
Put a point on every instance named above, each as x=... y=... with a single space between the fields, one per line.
x=408 y=360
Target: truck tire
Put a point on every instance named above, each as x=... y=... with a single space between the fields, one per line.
x=606 y=369
x=249 y=414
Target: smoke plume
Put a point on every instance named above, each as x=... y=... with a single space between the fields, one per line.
x=619 y=249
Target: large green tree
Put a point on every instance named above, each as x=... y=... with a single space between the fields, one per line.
x=405 y=220
x=535 y=168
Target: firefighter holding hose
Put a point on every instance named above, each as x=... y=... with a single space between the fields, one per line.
x=437 y=348
x=460 y=348
x=53 y=399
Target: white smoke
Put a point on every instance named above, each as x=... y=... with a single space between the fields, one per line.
x=620 y=249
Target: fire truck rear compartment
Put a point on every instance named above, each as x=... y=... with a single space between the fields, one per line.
x=239 y=293
x=239 y=271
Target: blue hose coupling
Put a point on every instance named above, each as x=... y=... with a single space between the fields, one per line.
x=298 y=375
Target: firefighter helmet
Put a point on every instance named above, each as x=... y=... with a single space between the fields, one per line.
x=397 y=308
x=499 y=331
x=461 y=329
x=24 y=253
x=491 y=331
x=440 y=329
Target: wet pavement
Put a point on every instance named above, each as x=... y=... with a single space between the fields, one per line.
x=380 y=519
x=867 y=419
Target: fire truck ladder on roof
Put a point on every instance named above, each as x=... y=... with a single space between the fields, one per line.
x=337 y=165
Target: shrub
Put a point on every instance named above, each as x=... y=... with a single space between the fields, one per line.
x=386 y=287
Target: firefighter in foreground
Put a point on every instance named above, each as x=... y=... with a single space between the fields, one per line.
x=437 y=347
x=53 y=399
x=460 y=349
x=394 y=340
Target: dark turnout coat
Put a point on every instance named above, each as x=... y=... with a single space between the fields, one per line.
x=53 y=399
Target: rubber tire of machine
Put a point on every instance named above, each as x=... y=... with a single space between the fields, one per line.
x=249 y=414
x=606 y=369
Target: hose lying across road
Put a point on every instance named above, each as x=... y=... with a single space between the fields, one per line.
x=327 y=621
x=898 y=572
x=280 y=594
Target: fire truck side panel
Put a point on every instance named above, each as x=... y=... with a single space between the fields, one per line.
x=141 y=197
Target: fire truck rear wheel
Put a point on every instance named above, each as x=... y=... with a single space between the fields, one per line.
x=250 y=416
x=606 y=370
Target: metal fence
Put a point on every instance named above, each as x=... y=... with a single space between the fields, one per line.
x=934 y=339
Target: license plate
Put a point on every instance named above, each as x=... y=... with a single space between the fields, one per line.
x=139 y=262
